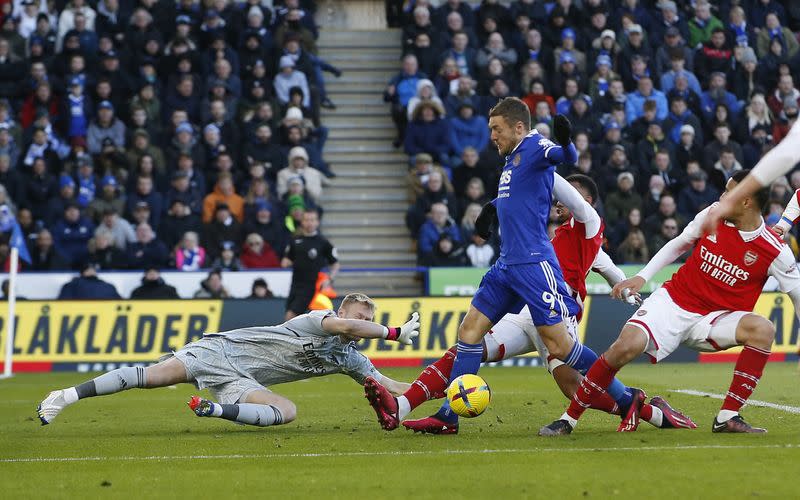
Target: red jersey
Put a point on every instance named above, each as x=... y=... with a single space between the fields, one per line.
x=576 y=253
x=727 y=271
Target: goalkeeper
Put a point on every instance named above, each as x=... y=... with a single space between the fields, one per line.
x=238 y=365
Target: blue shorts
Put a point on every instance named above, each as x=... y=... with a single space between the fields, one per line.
x=539 y=285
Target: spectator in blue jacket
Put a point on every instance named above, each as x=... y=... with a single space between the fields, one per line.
x=72 y=233
x=439 y=223
x=428 y=133
x=467 y=130
x=718 y=94
x=697 y=195
x=400 y=89
x=88 y=286
x=634 y=105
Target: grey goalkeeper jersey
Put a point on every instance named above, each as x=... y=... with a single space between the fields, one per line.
x=295 y=350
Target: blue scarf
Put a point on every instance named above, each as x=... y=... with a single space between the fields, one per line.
x=741 y=34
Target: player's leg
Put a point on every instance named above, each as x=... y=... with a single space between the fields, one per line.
x=168 y=372
x=757 y=335
x=258 y=406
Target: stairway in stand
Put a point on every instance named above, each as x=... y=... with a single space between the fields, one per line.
x=365 y=205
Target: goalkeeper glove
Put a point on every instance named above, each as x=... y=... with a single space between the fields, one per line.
x=406 y=333
x=562 y=130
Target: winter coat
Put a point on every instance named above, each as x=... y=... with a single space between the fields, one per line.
x=88 y=288
x=154 y=290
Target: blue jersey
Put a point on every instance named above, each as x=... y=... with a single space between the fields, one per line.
x=523 y=202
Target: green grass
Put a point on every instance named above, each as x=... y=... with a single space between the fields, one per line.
x=496 y=454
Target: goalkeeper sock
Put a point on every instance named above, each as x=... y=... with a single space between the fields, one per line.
x=108 y=383
x=403 y=407
x=249 y=413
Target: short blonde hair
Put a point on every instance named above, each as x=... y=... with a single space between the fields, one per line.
x=359 y=298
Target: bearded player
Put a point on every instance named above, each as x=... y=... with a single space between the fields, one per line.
x=238 y=365
x=706 y=306
x=577 y=245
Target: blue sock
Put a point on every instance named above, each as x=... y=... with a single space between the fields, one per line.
x=620 y=393
x=468 y=360
x=581 y=358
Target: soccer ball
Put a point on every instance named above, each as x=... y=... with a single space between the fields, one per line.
x=469 y=395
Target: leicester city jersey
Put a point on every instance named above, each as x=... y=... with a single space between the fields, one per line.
x=523 y=202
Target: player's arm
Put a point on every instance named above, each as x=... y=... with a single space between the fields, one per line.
x=288 y=259
x=605 y=267
x=784 y=270
x=333 y=259
x=580 y=208
x=664 y=257
x=778 y=161
x=361 y=329
x=565 y=152
x=790 y=215
x=487 y=217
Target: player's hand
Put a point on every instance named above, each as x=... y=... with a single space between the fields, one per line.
x=410 y=330
x=633 y=285
x=778 y=229
x=715 y=215
x=483 y=224
x=562 y=130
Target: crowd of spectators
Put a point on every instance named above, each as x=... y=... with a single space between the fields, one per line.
x=667 y=100
x=139 y=134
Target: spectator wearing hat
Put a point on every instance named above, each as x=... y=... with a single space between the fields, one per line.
x=117 y=75
x=287 y=78
x=154 y=287
x=88 y=286
x=177 y=221
x=147 y=195
x=772 y=31
x=212 y=287
x=568 y=45
x=702 y=24
x=428 y=133
x=227 y=259
x=104 y=255
x=117 y=228
x=258 y=254
x=672 y=42
x=189 y=255
x=222 y=227
x=185 y=141
x=419 y=176
x=181 y=187
x=295 y=208
x=105 y=126
x=666 y=17
x=141 y=145
x=634 y=105
x=467 y=129
x=266 y=222
x=72 y=233
x=260 y=290
x=688 y=149
x=44 y=256
x=601 y=79
x=746 y=75
x=86 y=182
x=612 y=136
x=696 y=196
x=567 y=69
x=634 y=44
x=56 y=206
x=77 y=110
x=621 y=201
x=298 y=167
x=426 y=92
x=147 y=250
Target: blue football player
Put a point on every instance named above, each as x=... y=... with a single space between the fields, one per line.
x=527 y=272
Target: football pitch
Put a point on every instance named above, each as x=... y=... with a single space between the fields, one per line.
x=147 y=443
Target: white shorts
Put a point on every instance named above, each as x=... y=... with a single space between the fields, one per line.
x=668 y=326
x=515 y=334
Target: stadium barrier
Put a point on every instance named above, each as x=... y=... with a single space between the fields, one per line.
x=102 y=335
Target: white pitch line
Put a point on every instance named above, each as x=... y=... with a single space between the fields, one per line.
x=750 y=402
x=392 y=453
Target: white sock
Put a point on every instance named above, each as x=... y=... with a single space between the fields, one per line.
x=725 y=415
x=658 y=417
x=70 y=395
x=403 y=407
x=216 y=410
x=569 y=419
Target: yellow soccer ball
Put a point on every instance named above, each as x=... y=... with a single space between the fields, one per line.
x=469 y=395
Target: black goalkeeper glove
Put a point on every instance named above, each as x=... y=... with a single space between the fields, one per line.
x=483 y=224
x=562 y=130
